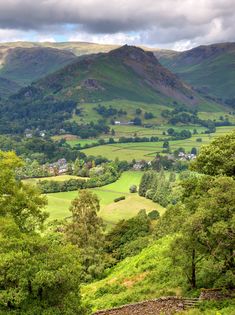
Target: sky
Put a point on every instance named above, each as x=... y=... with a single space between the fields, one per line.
x=173 y=24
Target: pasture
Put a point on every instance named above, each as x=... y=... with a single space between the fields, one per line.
x=147 y=150
x=59 y=178
x=111 y=212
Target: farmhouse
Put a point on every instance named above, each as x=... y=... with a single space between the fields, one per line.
x=123 y=123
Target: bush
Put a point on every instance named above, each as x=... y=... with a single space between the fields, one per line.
x=133 y=189
x=153 y=215
x=119 y=199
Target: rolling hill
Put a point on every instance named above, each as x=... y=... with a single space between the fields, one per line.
x=20 y=66
x=210 y=69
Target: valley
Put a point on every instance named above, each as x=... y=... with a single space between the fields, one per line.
x=116 y=176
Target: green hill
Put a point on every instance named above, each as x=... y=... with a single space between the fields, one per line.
x=21 y=66
x=127 y=73
x=210 y=69
x=124 y=73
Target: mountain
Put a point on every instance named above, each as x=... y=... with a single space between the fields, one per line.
x=210 y=69
x=7 y=87
x=20 y=66
x=128 y=72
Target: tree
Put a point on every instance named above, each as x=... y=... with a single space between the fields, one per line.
x=138 y=111
x=22 y=202
x=38 y=275
x=171 y=131
x=86 y=231
x=154 y=215
x=137 y=121
x=206 y=229
x=165 y=145
x=218 y=157
x=194 y=151
x=133 y=189
x=126 y=235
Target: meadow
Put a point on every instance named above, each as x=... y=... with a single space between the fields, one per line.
x=111 y=212
x=60 y=178
x=147 y=150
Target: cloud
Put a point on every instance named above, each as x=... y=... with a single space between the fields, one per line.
x=153 y=22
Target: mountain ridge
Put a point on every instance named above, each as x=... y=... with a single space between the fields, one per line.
x=209 y=68
x=122 y=73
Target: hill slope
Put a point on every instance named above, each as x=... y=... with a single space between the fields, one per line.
x=210 y=69
x=127 y=72
x=148 y=275
x=21 y=66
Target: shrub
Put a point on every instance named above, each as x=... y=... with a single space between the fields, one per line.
x=133 y=189
x=119 y=199
x=153 y=215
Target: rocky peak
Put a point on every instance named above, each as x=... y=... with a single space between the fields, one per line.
x=134 y=53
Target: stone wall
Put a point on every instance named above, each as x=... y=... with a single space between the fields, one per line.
x=216 y=294
x=166 y=305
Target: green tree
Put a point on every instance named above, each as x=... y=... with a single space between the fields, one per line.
x=218 y=157
x=38 y=275
x=205 y=223
x=86 y=231
x=22 y=202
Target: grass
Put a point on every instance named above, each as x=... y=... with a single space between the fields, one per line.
x=89 y=114
x=147 y=150
x=147 y=275
x=111 y=212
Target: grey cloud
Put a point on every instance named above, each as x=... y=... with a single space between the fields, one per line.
x=157 y=21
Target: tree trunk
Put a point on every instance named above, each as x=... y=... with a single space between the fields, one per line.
x=193 y=275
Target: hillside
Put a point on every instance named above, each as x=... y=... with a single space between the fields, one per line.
x=210 y=69
x=127 y=72
x=20 y=66
x=137 y=278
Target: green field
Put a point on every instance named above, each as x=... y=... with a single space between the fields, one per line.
x=60 y=178
x=111 y=212
x=132 y=131
x=147 y=150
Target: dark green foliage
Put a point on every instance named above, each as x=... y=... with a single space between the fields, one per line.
x=39 y=275
x=153 y=215
x=145 y=183
x=128 y=237
x=133 y=189
x=119 y=199
x=148 y=115
x=156 y=187
x=108 y=175
x=86 y=232
x=218 y=157
x=137 y=121
x=43 y=150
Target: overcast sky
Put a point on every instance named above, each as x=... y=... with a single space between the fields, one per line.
x=176 y=24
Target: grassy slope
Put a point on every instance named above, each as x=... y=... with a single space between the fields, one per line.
x=147 y=275
x=214 y=73
x=22 y=66
x=111 y=212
